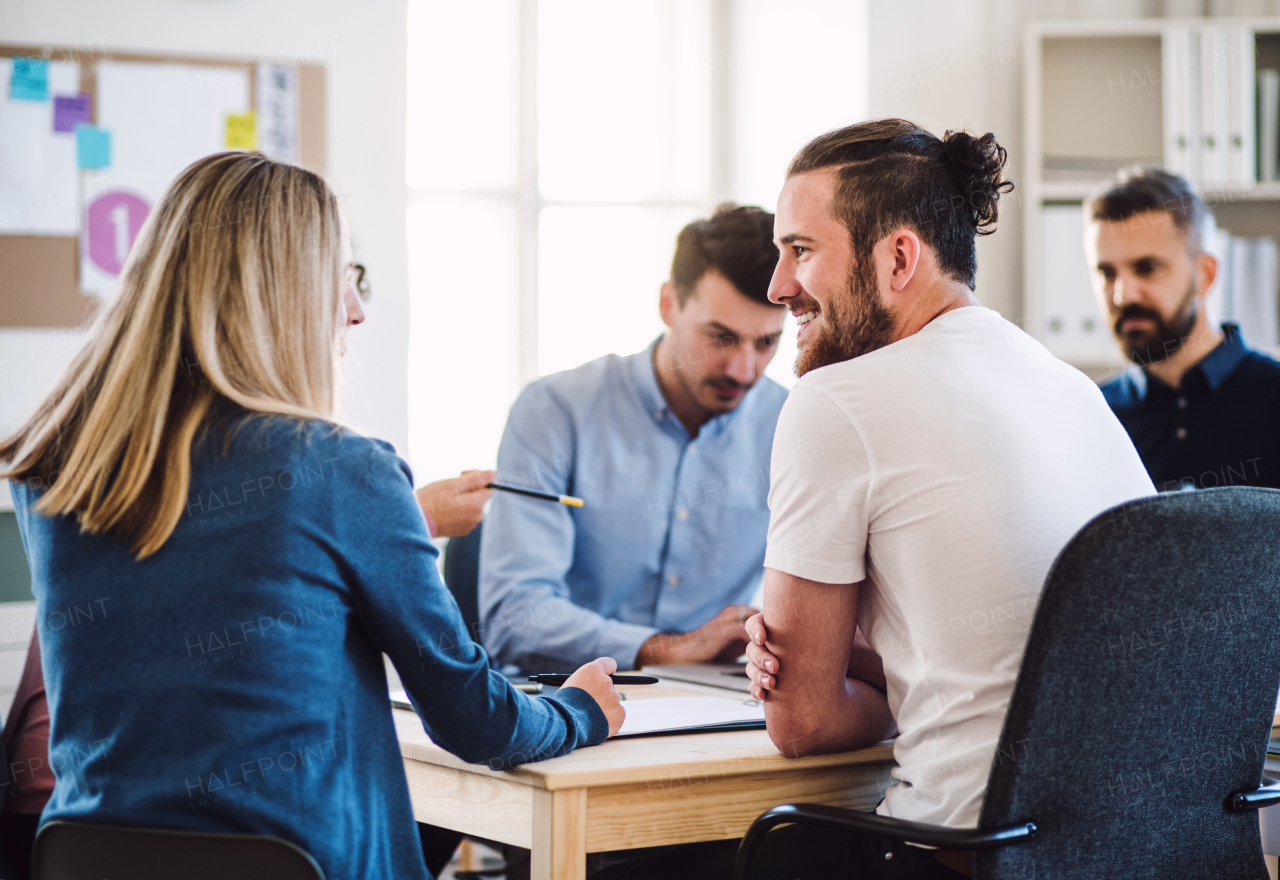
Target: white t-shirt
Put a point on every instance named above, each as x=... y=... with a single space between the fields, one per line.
x=946 y=471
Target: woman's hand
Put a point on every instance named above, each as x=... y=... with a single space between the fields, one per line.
x=762 y=667
x=456 y=506
x=594 y=679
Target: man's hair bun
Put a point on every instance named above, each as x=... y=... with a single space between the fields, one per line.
x=894 y=173
x=978 y=166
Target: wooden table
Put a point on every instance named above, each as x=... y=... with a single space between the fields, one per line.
x=629 y=793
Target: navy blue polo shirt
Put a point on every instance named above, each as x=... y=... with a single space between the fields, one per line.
x=1220 y=427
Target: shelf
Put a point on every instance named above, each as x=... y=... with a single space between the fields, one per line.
x=1214 y=196
x=1226 y=193
x=1066 y=191
x=1050 y=30
x=1094 y=101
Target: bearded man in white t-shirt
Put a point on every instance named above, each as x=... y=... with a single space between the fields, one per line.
x=927 y=469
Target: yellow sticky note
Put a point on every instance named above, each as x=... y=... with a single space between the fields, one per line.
x=242 y=131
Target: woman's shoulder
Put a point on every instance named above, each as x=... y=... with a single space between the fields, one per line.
x=303 y=449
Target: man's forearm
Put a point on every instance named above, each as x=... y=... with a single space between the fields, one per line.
x=815 y=706
x=857 y=718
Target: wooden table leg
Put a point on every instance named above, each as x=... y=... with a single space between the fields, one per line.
x=559 y=849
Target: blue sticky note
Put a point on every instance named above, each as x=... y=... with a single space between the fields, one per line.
x=93 y=146
x=30 y=79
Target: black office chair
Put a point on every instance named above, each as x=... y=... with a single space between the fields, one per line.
x=77 y=851
x=6 y=866
x=462 y=577
x=1135 y=737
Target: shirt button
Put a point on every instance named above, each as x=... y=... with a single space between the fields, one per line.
x=673 y=579
x=682 y=514
x=693 y=447
x=657 y=414
x=1182 y=403
x=1181 y=433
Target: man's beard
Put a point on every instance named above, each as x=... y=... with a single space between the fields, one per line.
x=850 y=326
x=1164 y=339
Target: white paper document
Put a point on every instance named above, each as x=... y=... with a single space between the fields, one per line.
x=278 y=111
x=677 y=713
x=665 y=713
x=39 y=179
x=1074 y=328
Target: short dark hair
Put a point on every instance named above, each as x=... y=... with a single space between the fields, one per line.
x=1140 y=189
x=737 y=242
x=894 y=173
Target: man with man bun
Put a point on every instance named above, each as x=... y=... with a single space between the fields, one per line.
x=928 y=467
x=1202 y=408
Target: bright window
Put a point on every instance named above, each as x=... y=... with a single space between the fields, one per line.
x=556 y=148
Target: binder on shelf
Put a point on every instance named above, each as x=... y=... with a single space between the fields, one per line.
x=1181 y=62
x=1214 y=105
x=1241 y=118
x=1268 y=122
x=1259 y=322
x=1074 y=329
x=1250 y=289
x=1219 y=303
x=1241 y=307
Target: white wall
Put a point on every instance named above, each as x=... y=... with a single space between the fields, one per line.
x=362 y=47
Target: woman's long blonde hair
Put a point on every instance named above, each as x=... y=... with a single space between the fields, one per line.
x=231 y=290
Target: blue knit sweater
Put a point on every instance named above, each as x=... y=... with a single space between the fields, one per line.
x=233 y=681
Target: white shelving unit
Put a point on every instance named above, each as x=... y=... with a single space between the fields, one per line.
x=1094 y=103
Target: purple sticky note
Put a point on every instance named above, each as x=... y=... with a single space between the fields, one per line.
x=71 y=110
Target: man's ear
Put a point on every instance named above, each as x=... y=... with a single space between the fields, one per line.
x=900 y=257
x=1206 y=269
x=668 y=303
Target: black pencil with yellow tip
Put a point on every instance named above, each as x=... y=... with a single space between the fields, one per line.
x=534 y=493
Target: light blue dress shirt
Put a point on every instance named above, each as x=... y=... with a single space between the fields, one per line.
x=673 y=530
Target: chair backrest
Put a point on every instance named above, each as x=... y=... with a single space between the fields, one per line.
x=1146 y=695
x=6 y=867
x=462 y=576
x=76 y=851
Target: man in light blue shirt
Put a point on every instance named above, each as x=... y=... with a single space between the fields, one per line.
x=670 y=450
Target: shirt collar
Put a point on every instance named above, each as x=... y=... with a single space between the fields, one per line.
x=1220 y=363
x=1138 y=382
x=644 y=373
x=646 y=379
x=1216 y=366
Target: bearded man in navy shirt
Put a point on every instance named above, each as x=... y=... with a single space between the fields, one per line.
x=1202 y=408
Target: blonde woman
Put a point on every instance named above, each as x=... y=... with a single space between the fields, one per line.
x=218 y=564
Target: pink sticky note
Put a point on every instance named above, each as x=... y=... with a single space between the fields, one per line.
x=70 y=110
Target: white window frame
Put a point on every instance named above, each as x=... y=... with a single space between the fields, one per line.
x=527 y=197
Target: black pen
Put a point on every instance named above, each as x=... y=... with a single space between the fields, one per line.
x=534 y=493
x=556 y=679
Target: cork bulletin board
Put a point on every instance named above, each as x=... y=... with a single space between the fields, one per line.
x=64 y=231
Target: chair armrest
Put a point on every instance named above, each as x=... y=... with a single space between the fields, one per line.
x=871 y=823
x=1268 y=794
